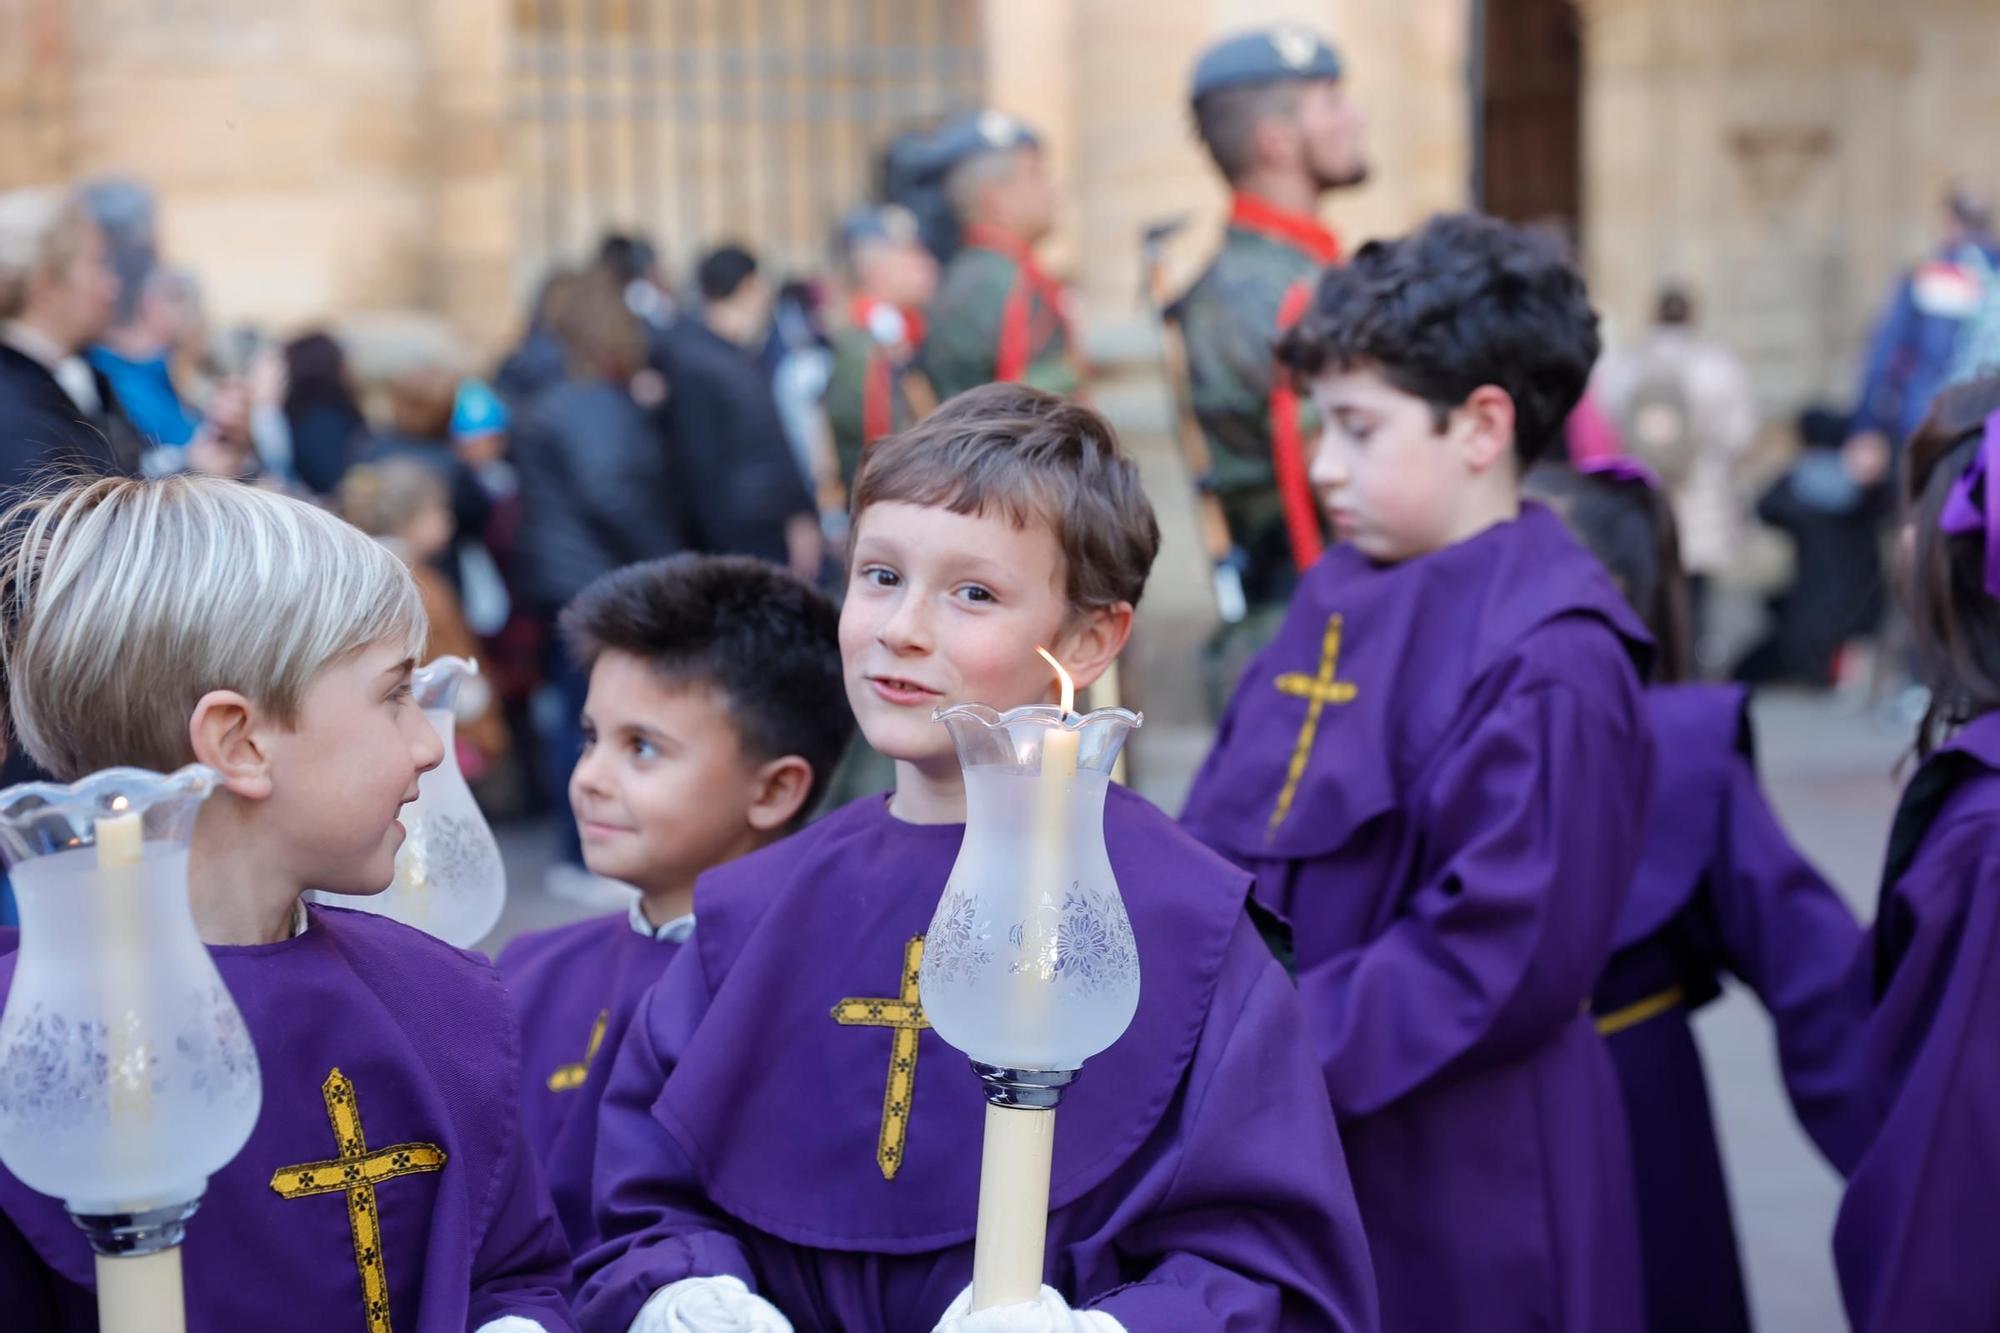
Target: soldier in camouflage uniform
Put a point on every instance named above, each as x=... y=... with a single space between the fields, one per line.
x=997 y=315
x=874 y=389
x=1272 y=111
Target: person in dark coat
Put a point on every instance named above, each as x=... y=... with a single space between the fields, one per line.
x=1835 y=524
x=57 y=295
x=746 y=495
x=326 y=423
x=597 y=493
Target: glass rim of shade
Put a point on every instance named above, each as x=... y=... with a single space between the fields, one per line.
x=98 y=795
x=1048 y=713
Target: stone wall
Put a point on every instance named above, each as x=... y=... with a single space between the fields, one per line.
x=1786 y=158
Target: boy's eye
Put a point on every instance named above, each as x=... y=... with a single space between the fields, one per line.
x=642 y=748
x=973 y=592
x=401 y=694
x=881 y=576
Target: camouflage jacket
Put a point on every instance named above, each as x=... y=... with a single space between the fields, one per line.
x=867 y=395
x=997 y=317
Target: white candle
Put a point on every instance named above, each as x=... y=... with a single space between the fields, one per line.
x=121 y=843
x=135 y=1293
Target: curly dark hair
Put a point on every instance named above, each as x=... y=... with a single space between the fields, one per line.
x=760 y=638
x=1463 y=301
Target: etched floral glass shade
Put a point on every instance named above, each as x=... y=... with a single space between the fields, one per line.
x=127 y=1077
x=450 y=881
x=1029 y=963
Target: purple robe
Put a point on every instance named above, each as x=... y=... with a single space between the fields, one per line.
x=1920 y=1140
x=1198 y=1183
x=1719 y=888
x=575 y=990
x=423 y=1037
x=1438 y=773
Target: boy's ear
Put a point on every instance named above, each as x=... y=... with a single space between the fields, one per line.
x=224 y=732
x=1488 y=412
x=778 y=792
x=1093 y=641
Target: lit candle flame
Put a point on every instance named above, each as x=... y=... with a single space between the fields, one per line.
x=1068 y=685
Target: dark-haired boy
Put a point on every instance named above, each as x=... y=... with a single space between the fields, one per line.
x=1438 y=773
x=1198 y=1184
x=715 y=714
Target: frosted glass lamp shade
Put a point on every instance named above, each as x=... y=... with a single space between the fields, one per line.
x=1030 y=962
x=127 y=1077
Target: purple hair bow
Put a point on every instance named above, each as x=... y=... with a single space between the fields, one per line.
x=1618 y=467
x=1963 y=514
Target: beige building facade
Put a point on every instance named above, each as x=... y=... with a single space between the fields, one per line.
x=327 y=158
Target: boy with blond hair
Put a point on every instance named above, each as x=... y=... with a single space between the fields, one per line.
x=193 y=620
x=751 y=1173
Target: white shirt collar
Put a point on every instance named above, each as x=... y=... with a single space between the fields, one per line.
x=299 y=921
x=673 y=932
x=70 y=371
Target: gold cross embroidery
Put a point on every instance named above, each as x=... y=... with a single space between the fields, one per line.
x=904 y=1013
x=356 y=1173
x=568 y=1078
x=1320 y=690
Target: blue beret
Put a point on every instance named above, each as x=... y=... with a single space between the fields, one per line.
x=879 y=222
x=1265 y=56
x=967 y=136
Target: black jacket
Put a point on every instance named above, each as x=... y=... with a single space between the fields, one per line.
x=43 y=432
x=596 y=491
x=729 y=447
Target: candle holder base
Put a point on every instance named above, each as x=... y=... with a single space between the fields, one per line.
x=125 y=1235
x=1024 y=1089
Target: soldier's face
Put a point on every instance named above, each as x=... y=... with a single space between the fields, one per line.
x=1032 y=195
x=1334 y=133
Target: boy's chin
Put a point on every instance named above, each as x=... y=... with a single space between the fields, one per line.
x=908 y=740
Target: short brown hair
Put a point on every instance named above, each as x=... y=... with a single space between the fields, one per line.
x=601 y=338
x=1017 y=451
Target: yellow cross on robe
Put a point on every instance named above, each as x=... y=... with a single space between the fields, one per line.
x=568 y=1078
x=1319 y=690
x=356 y=1173
x=904 y=1013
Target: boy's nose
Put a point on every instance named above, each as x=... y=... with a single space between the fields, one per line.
x=1328 y=468
x=429 y=748
x=905 y=628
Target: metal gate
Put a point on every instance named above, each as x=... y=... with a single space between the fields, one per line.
x=702 y=121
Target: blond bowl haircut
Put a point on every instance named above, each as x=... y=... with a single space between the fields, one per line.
x=123 y=602
x=41 y=228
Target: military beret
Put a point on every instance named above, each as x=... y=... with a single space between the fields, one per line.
x=1265 y=56
x=879 y=222
x=967 y=136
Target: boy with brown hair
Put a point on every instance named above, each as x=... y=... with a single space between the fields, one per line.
x=1198 y=1180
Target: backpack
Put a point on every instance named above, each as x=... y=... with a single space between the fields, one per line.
x=1658 y=420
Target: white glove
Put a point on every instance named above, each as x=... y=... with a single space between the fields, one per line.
x=511 y=1323
x=1049 y=1314
x=709 y=1305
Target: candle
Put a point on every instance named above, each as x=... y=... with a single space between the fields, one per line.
x=121 y=843
x=1054 y=809
x=140 y=1291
